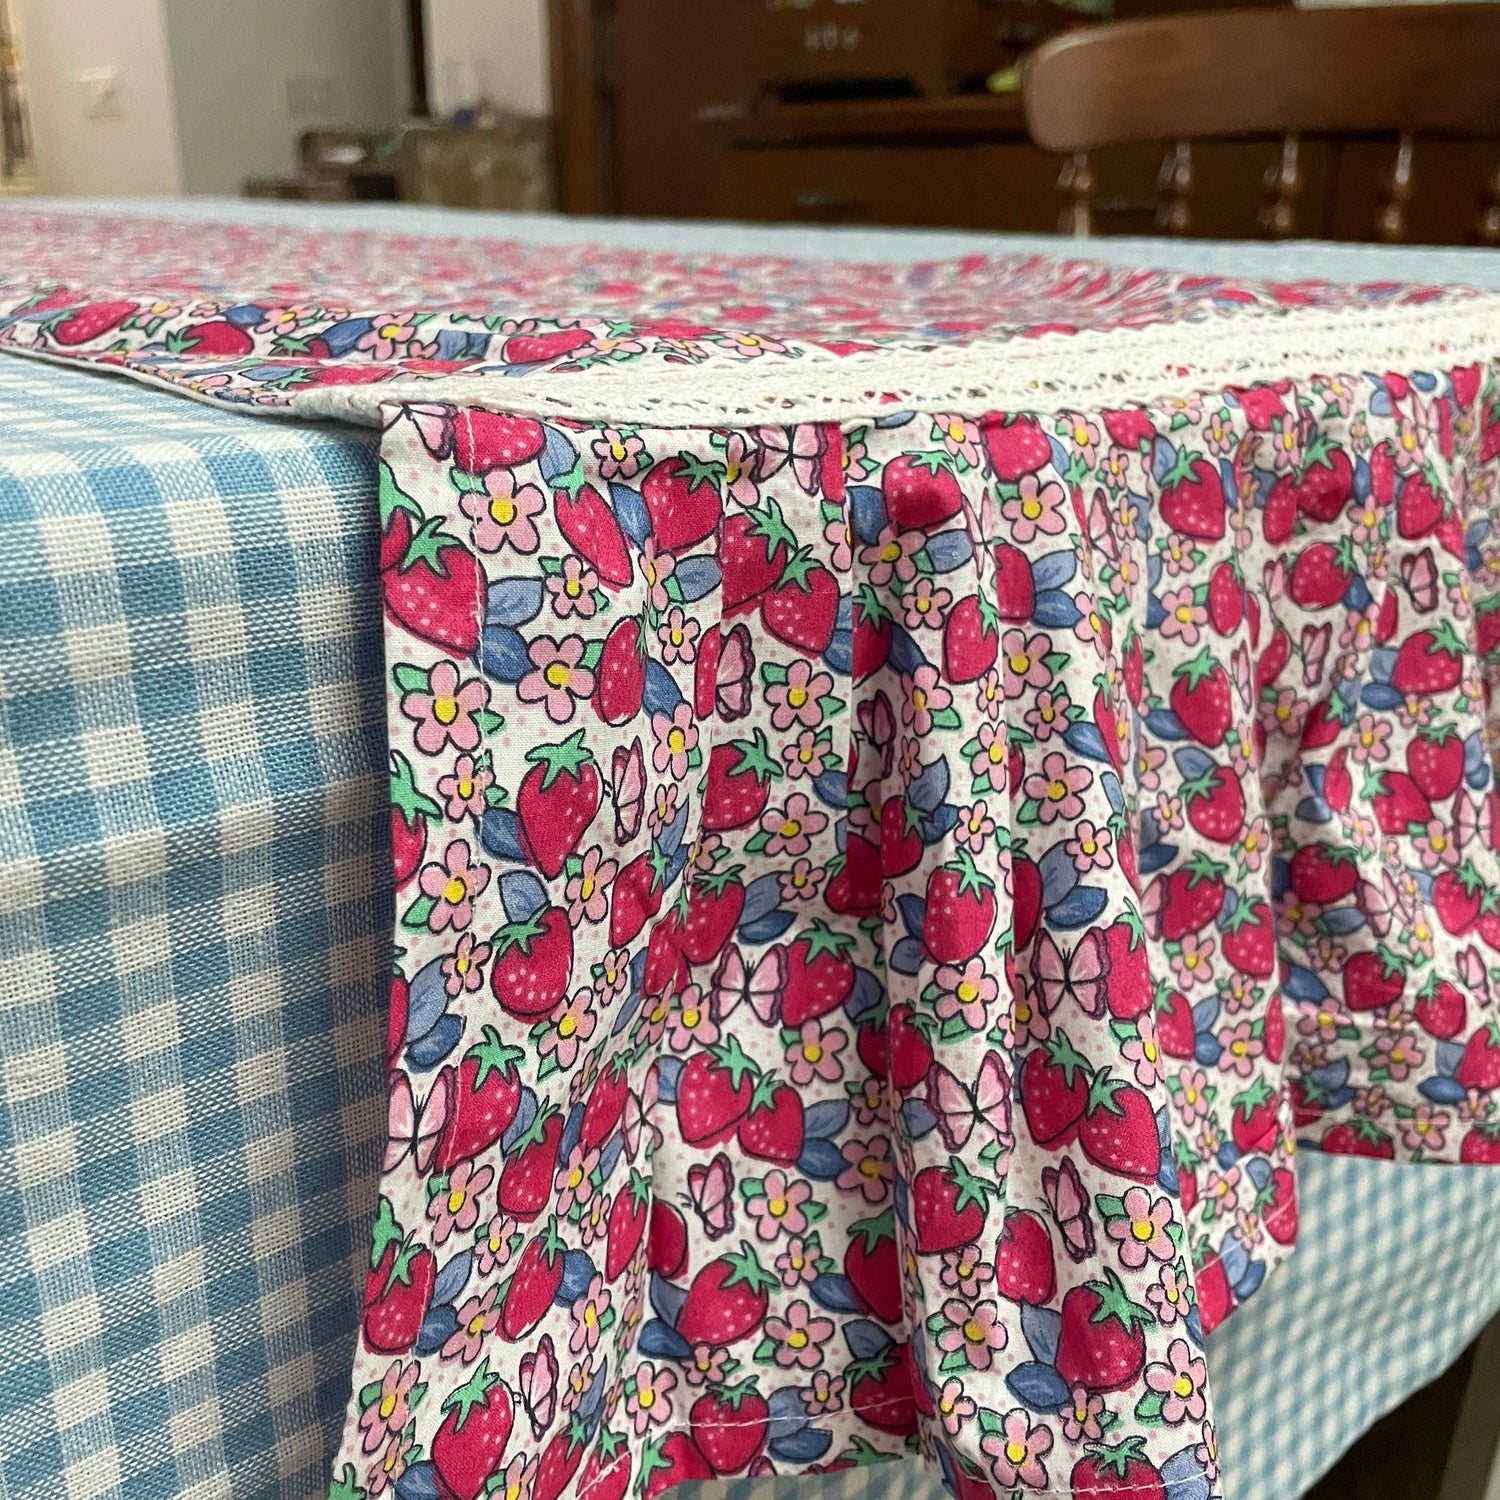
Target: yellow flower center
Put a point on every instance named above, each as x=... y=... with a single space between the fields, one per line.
x=1020 y=664
x=1015 y=1452
x=1182 y=1386
x=1191 y=960
x=777 y=1207
x=590 y=1317
x=575 y=1177
x=1148 y=1050
x=869 y=1167
x=1142 y=1229
x=1089 y=847
x=455 y=891
x=676 y=636
x=796 y=696
x=475 y=1325
x=1023 y=1013
x=676 y=741
x=805 y=754
x=456 y=1200
x=1173 y=1294
x=558 y=675
x=1056 y=791
x=461 y=963
x=1184 y=614
x=797 y=1338
x=1031 y=509
x=956 y=432
x=617 y=451
x=791 y=828
x=919 y=699
x=572 y=588
x=812 y=1052
x=647 y=1398
x=1191 y=1095
x=996 y=752
x=388 y=1405
x=945 y=1405
x=967 y=992
x=567 y=1026
x=503 y=510
x=1239 y=1047
x=973 y=1332
x=465 y=790
x=445 y=710
x=390 y=330
x=890 y=552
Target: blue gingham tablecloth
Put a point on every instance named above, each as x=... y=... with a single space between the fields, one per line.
x=194 y=926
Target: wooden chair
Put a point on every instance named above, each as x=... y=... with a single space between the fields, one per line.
x=1406 y=71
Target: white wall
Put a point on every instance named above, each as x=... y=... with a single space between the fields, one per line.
x=494 y=48
x=132 y=154
x=230 y=60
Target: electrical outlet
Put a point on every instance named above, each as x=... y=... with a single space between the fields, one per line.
x=308 y=96
x=100 y=88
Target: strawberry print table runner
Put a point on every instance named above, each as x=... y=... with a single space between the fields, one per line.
x=913 y=787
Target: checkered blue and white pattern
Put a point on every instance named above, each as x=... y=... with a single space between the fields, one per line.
x=194 y=925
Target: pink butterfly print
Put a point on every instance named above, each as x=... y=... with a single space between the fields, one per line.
x=1473 y=818
x=1315 y=639
x=635 y=1121
x=734 y=691
x=877 y=721
x=627 y=789
x=1472 y=971
x=802 y=445
x=539 y=1385
x=759 y=988
x=1081 y=976
x=1420 y=575
x=434 y=424
x=711 y=1195
x=958 y=1109
x=412 y=1132
x=1069 y=1205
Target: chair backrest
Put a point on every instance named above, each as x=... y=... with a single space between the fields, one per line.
x=1409 y=70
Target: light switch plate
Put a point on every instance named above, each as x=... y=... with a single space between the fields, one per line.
x=100 y=88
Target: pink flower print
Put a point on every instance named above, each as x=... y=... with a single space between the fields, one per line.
x=815 y=1053
x=575 y=1182
x=1168 y=810
x=974 y=1330
x=1286 y=714
x=974 y=828
x=569 y=1029
x=1255 y=847
x=779 y=1208
x=691 y=1023
x=619 y=453
x=1219 y=435
x=1116 y=476
x=856 y=455
x=739 y=468
x=463 y=791
x=926 y=605
x=594 y=1226
x=1370 y=741
x=825 y=1396
x=1148 y=763
x=990 y=695
x=840 y=538
x=678 y=636
x=452 y=886
x=580 y=1377
x=1436 y=846
x=1285 y=442
x=954 y=1409
x=799 y=1337
x=1177 y=556
x=708 y=1364
x=392 y=1465
x=1221 y=1190
x=492 y=1247
x=663 y=808
x=1170 y=1297
x=456 y=1206
x=1241 y=1049
x=1194 y=1095
x=477 y=1319
x=558 y=677
x=610 y=347
x=801 y=882
x=1048 y=715
x=1036 y=510
x=790 y=828
x=1425 y=1130
x=587 y=890
x=966 y=992
x=1017 y=1450
x=1081 y=1416
x=1193 y=960
x=1395 y=1054
x=1089 y=848
x=798 y=1263
x=1183 y=617
x=445 y=713
x=1408 y=445
x=868 y=1169
x=463 y=969
x=798 y=699
x=752 y=345
x=502 y=513
x=612 y=975
x=923 y=695
x=909 y=762
x=387 y=1412
x=572 y=590
x=966 y=1271
x=388 y=336
x=1140 y=1230
x=1083 y=434
x=1024 y=659
x=648 y=1397
x=676 y=739
x=1142 y=1050
x=656 y=569
x=517 y=1479
x=892 y=556
x=959 y=437
x=1180 y=1383
x=588 y=1317
x=1056 y=790
x=804 y=757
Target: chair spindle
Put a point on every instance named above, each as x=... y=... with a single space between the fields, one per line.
x=1390 y=222
x=1076 y=183
x=1174 y=185
x=1487 y=222
x=1283 y=186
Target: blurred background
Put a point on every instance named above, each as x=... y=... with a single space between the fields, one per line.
x=822 y=111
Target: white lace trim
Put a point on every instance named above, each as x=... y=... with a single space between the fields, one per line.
x=1088 y=370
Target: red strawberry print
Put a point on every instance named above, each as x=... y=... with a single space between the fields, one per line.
x=1101 y=1344
x=1175 y=1033
x=1192 y=497
x=1118 y=1129
x=533 y=961
x=1441 y=1009
x=1322 y=574
x=921 y=492
x=485 y=440
x=1323 y=486
x=1055 y=1081
x=901 y=846
x=714 y=1093
x=670 y=1461
x=1226 y=599
x=881 y=1392
x=1279 y=1206
x=1481 y=1146
x=872 y=1267
x=1015 y=587
x=910 y=1052
x=476 y=1426
x=683 y=500
x=772 y=1129
x=1324 y=874
x=1129 y=429
x=411 y=812
x=819 y=974
x=667 y=1242
x=1429 y=661
x=802 y=608
x=1117 y=1469
x=948 y=1208
x=971 y=639
x=1479 y=1066
x=740 y=773
x=1026 y=900
x=636 y=897
x=1373 y=980
x=525 y=1186
x=727 y=1300
x=960 y=910
x=1457 y=897
x=754 y=549
x=1359 y=1138
x=1216 y=804
x=1249 y=939
x=628 y=1217
x=398 y=1289
x=534 y=349
x=1024 y=1267
x=607 y=1474
x=730 y=1426
x=214 y=337
x=533 y=1284
x=1016 y=446
x=484 y=1094
x=1191 y=897
x=606 y=1103
x=620 y=678
x=714 y=905
x=1200 y=699
x=1129 y=992
x=854 y=889
x=871 y=647
x=435 y=590
x=1435 y=760
x=585 y=519
x=1418 y=509
x=91 y=321
x=556 y=802
x=1255 y=1116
